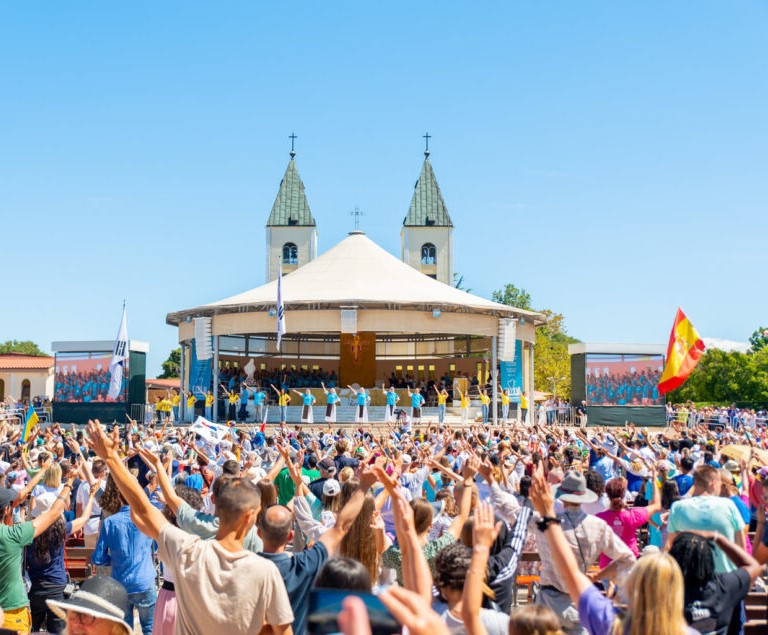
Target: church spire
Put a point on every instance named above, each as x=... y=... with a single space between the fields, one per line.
x=291 y=207
x=427 y=205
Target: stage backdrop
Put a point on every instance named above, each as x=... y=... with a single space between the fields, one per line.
x=357 y=363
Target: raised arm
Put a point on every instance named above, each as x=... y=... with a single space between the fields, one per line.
x=172 y=499
x=148 y=518
x=465 y=502
x=484 y=532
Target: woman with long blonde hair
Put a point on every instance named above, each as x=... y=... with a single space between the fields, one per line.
x=654 y=587
x=360 y=543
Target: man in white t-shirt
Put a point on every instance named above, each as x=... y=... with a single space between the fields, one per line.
x=91 y=528
x=220 y=586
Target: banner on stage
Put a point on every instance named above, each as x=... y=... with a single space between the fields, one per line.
x=212 y=432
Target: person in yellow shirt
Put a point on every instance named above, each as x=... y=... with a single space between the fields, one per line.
x=191 y=401
x=524 y=407
x=504 y=405
x=464 y=397
x=283 y=399
x=485 y=402
x=442 y=400
x=175 y=401
x=209 y=404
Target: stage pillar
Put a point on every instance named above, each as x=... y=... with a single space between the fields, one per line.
x=357 y=359
x=215 y=378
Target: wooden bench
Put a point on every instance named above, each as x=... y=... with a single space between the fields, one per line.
x=78 y=561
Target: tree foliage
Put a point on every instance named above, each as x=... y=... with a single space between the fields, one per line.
x=759 y=339
x=25 y=347
x=458 y=283
x=172 y=365
x=552 y=364
x=727 y=377
x=512 y=296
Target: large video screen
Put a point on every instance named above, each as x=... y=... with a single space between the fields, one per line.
x=85 y=377
x=624 y=380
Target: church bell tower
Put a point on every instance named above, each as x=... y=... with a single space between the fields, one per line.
x=291 y=228
x=427 y=233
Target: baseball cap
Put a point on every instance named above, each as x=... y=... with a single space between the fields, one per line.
x=7 y=496
x=327 y=465
x=407 y=459
x=331 y=487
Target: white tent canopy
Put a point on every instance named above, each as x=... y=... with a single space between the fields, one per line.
x=358 y=273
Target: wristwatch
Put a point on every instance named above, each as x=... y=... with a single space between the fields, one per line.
x=544 y=522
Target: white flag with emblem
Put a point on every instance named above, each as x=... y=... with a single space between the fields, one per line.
x=119 y=355
x=280 y=306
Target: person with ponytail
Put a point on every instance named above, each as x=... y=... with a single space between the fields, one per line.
x=623 y=521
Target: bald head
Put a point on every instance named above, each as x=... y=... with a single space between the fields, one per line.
x=275 y=527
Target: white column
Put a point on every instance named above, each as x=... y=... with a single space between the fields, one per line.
x=494 y=378
x=215 y=377
x=182 y=392
x=531 y=401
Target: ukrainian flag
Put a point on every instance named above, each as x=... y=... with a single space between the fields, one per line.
x=30 y=422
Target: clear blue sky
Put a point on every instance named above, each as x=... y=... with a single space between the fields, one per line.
x=610 y=157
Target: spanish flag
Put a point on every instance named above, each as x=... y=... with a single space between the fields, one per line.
x=683 y=353
x=30 y=422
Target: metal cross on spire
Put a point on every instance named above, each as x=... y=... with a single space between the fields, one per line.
x=293 y=138
x=427 y=136
x=357 y=214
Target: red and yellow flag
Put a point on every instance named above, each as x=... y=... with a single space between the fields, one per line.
x=683 y=353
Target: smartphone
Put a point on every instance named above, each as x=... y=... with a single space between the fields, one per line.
x=325 y=606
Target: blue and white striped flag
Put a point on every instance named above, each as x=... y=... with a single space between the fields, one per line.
x=280 y=306
x=119 y=355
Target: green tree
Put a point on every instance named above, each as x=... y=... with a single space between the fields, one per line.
x=172 y=365
x=727 y=377
x=552 y=364
x=512 y=296
x=759 y=339
x=25 y=347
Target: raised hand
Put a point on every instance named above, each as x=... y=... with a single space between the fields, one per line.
x=484 y=528
x=408 y=609
x=471 y=466
x=104 y=445
x=541 y=495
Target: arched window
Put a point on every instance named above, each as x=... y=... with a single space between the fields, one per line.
x=428 y=254
x=25 y=389
x=290 y=254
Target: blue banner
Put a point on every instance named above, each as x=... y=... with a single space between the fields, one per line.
x=199 y=373
x=511 y=373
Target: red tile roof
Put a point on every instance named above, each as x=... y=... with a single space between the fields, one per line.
x=162 y=383
x=14 y=361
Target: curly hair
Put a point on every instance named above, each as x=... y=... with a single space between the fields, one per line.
x=50 y=541
x=190 y=496
x=111 y=501
x=451 y=566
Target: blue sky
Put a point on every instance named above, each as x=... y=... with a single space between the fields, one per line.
x=609 y=157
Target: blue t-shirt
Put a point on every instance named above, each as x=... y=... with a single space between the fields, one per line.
x=416 y=400
x=333 y=398
x=684 y=483
x=298 y=572
x=362 y=398
x=308 y=399
x=392 y=398
x=258 y=398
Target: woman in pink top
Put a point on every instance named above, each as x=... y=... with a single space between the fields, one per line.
x=624 y=521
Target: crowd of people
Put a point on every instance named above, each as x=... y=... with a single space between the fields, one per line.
x=691 y=415
x=84 y=387
x=378 y=529
x=624 y=389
